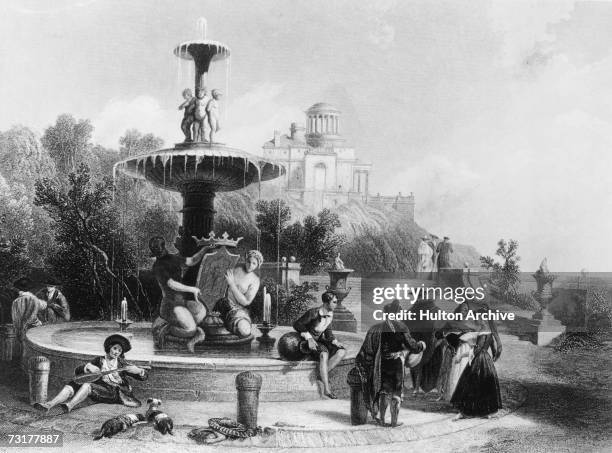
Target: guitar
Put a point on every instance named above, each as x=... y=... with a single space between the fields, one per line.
x=91 y=377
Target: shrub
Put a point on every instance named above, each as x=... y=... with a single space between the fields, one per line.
x=289 y=305
x=524 y=301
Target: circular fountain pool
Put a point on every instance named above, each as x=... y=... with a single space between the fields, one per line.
x=207 y=375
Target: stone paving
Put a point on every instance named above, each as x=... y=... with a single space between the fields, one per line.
x=324 y=423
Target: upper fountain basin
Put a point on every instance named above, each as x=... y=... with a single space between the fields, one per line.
x=221 y=167
x=190 y=50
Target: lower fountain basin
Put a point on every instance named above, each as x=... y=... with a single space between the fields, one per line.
x=207 y=375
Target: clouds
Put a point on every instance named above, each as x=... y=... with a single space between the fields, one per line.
x=522 y=25
x=251 y=120
x=143 y=113
x=497 y=115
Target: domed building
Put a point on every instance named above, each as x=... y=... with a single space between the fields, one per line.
x=322 y=169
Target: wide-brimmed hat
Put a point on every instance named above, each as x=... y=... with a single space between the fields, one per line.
x=117 y=339
x=26 y=284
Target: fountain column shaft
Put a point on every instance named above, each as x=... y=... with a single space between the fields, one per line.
x=198 y=213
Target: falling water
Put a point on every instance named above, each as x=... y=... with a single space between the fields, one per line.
x=228 y=73
x=191 y=73
x=179 y=71
x=201 y=24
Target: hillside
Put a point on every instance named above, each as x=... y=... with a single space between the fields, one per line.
x=369 y=231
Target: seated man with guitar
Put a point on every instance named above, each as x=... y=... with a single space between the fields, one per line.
x=103 y=379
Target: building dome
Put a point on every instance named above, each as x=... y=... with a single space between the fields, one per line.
x=322 y=119
x=322 y=107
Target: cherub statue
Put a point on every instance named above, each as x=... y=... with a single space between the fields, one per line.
x=212 y=109
x=188 y=118
x=201 y=114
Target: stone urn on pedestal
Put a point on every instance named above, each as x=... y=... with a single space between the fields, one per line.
x=547 y=328
x=344 y=319
x=544 y=279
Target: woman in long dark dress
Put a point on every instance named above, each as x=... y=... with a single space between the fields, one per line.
x=477 y=393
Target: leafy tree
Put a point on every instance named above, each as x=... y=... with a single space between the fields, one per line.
x=14 y=261
x=272 y=218
x=315 y=242
x=133 y=143
x=23 y=223
x=68 y=141
x=155 y=221
x=505 y=275
x=102 y=160
x=93 y=255
x=23 y=159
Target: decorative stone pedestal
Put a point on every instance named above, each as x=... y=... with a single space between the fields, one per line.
x=38 y=374
x=344 y=319
x=359 y=411
x=248 y=386
x=545 y=328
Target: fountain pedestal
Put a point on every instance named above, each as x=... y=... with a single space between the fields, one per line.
x=344 y=319
x=198 y=214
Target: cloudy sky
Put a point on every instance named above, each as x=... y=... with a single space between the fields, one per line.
x=497 y=115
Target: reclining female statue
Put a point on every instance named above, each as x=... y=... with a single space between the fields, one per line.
x=243 y=285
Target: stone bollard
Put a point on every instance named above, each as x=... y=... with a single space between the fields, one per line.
x=359 y=411
x=7 y=343
x=39 y=378
x=248 y=385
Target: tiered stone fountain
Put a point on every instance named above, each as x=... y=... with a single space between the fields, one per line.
x=198 y=170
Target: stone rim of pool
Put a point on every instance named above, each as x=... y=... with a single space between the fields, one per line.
x=184 y=376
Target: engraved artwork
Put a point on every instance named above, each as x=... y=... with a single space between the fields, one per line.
x=309 y=225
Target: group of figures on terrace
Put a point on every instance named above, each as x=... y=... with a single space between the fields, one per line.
x=434 y=254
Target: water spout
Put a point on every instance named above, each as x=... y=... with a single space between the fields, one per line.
x=201 y=24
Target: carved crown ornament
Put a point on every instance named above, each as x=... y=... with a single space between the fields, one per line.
x=215 y=241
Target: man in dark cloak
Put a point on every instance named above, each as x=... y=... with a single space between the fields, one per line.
x=381 y=364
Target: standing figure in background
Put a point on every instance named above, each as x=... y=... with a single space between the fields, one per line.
x=433 y=243
x=200 y=115
x=425 y=253
x=381 y=364
x=188 y=118
x=212 y=109
x=243 y=284
x=444 y=249
x=57 y=309
x=315 y=328
x=25 y=310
